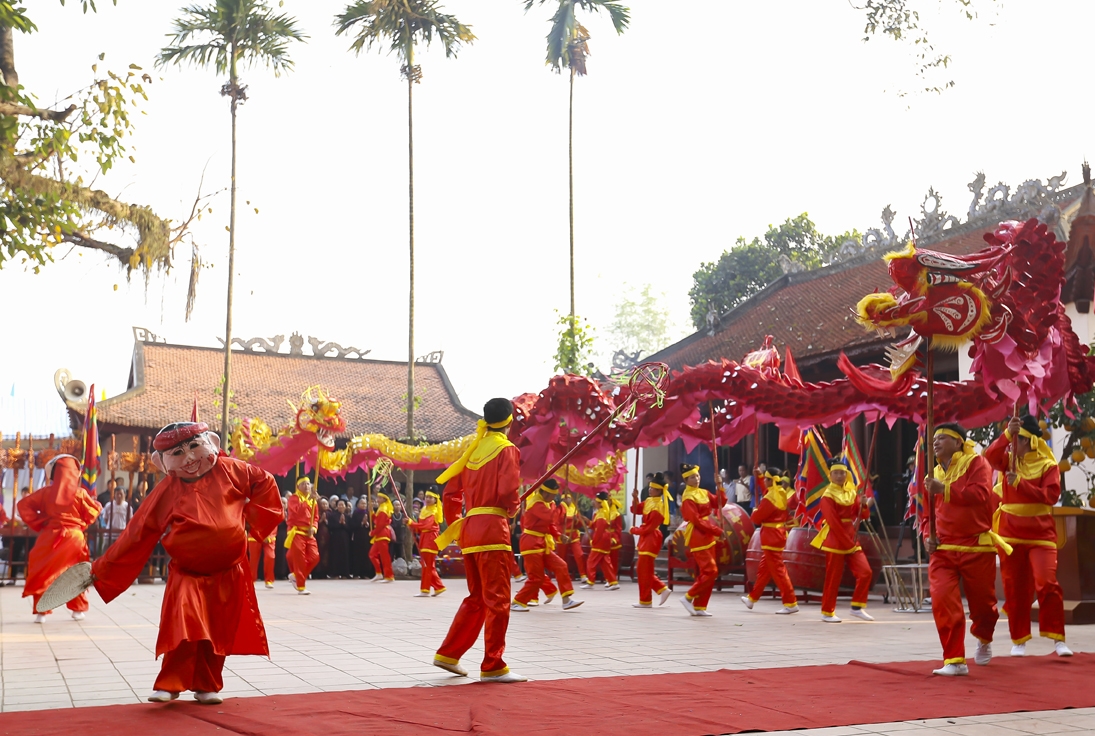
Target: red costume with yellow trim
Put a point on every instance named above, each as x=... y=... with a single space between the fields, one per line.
x=701 y=535
x=569 y=519
x=966 y=553
x=428 y=527
x=841 y=509
x=617 y=537
x=655 y=513
x=600 y=545
x=302 y=519
x=538 y=535
x=1025 y=521
x=379 y=552
x=59 y=512
x=484 y=485
x=261 y=549
x=772 y=515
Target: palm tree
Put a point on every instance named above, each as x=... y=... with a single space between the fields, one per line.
x=229 y=34
x=567 y=48
x=399 y=25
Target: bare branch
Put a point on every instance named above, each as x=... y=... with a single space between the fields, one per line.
x=57 y=116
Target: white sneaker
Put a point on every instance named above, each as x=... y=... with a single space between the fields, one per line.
x=549 y=599
x=701 y=614
x=614 y=586
x=533 y=603
x=831 y=619
x=569 y=603
x=421 y=594
x=208 y=698
x=984 y=653
x=78 y=616
x=304 y=591
x=39 y=618
x=747 y=601
x=1019 y=650
x=162 y=696
x=688 y=606
x=520 y=578
x=862 y=614
x=585 y=586
x=1062 y=649
x=508 y=677
x=952 y=670
x=642 y=605
x=455 y=669
x=376 y=578
x=388 y=580
x=269 y=586
x=785 y=610
x=664 y=596
x=515 y=606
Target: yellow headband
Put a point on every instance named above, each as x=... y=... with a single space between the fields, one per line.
x=690 y=473
x=548 y=489
x=654 y=486
x=431 y=494
x=504 y=423
x=1038 y=446
x=950 y=433
x=836 y=466
x=303 y=480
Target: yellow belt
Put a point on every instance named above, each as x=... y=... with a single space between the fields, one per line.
x=293 y=531
x=985 y=543
x=453 y=532
x=774 y=524
x=549 y=543
x=1027 y=509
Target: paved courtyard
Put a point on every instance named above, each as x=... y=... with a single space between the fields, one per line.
x=354 y=635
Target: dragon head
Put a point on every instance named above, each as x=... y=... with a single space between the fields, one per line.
x=319 y=414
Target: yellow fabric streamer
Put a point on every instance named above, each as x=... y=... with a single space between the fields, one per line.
x=1034 y=464
x=453 y=532
x=689 y=473
x=657 y=503
x=844 y=495
x=384 y=505
x=435 y=510
x=472 y=450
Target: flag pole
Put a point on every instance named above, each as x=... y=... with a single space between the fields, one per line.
x=929 y=368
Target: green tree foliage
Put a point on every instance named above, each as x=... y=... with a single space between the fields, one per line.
x=575 y=352
x=749 y=266
x=642 y=323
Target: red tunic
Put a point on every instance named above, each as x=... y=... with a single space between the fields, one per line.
x=494 y=485
x=301 y=515
x=382 y=527
x=965 y=511
x=841 y=519
x=704 y=532
x=537 y=524
x=209 y=595
x=772 y=521
x=1043 y=491
x=59 y=513
x=427 y=528
x=650 y=533
x=600 y=535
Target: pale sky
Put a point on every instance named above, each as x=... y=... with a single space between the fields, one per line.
x=691 y=129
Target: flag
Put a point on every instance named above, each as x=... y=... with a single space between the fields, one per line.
x=812 y=476
x=194 y=409
x=916 y=509
x=89 y=472
x=790 y=369
x=850 y=451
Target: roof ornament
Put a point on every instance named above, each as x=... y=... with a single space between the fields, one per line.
x=321 y=349
x=143 y=334
x=435 y=357
x=258 y=344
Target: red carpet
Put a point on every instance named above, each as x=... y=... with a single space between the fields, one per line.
x=644 y=705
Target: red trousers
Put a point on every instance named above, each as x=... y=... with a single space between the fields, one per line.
x=772 y=568
x=707 y=572
x=381 y=558
x=977 y=572
x=191 y=666
x=486 y=608
x=614 y=557
x=535 y=566
x=79 y=603
x=1030 y=570
x=302 y=558
x=834 y=571
x=575 y=547
x=514 y=568
x=603 y=561
x=430 y=578
x=266 y=551
x=649 y=583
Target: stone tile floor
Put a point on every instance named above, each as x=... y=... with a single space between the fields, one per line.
x=352 y=635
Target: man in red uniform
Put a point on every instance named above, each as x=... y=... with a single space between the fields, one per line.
x=571 y=521
x=600 y=545
x=199 y=510
x=60 y=513
x=538 y=533
x=302 y=519
x=655 y=513
x=616 y=544
x=483 y=484
x=841 y=510
x=261 y=549
x=427 y=527
x=772 y=515
x=961 y=494
x=1030 y=489
x=701 y=535
x=381 y=538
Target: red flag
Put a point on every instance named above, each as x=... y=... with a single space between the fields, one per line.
x=917 y=510
x=813 y=476
x=790 y=369
x=89 y=473
x=194 y=409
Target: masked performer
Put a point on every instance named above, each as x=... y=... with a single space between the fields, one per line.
x=60 y=513
x=1030 y=489
x=483 y=485
x=655 y=513
x=538 y=533
x=841 y=510
x=200 y=510
x=600 y=545
x=302 y=518
x=701 y=535
x=427 y=527
x=772 y=515
x=964 y=503
x=571 y=522
x=380 y=554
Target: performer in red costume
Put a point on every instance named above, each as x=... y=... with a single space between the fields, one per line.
x=538 y=533
x=302 y=519
x=199 y=510
x=841 y=509
x=600 y=545
x=616 y=544
x=381 y=537
x=427 y=527
x=772 y=515
x=483 y=484
x=1030 y=489
x=571 y=521
x=701 y=535
x=60 y=513
x=261 y=548
x=961 y=493
x=655 y=513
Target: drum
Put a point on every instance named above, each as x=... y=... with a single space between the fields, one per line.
x=739 y=532
x=450 y=563
x=806 y=565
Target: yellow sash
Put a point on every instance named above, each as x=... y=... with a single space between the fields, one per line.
x=453 y=532
x=986 y=542
x=549 y=543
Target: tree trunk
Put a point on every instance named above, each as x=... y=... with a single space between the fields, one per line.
x=226 y=433
x=408 y=492
x=7 y=58
x=570 y=164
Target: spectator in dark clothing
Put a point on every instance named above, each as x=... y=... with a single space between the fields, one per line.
x=338 y=526
x=323 y=541
x=360 y=564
